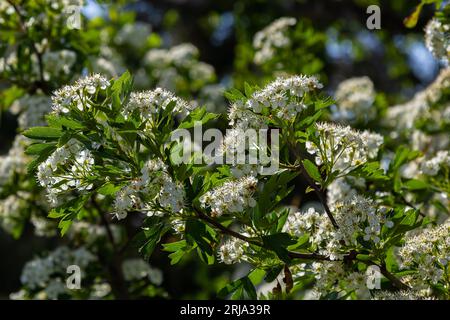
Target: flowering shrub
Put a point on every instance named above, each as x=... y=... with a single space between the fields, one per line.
x=96 y=160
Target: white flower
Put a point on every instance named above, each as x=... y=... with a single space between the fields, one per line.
x=58 y=62
x=400 y=295
x=355 y=99
x=148 y=103
x=67 y=168
x=283 y=97
x=152 y=191
x=133 y=35
x=44 y=273
x=343 y=148
x=13 y=162
x=437 y=39
x=79 y=95
x=272 y=37
x=231 y=197
x=232 y=251
x=429 y=252
x=31 y=110
x=431 y=167
x=136 y=269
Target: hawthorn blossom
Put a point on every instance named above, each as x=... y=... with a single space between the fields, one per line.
x=343 y=148
x=149 y=103
x=282 y=97
x=231 y=197
x=429 y=252
x=437 y=37
x=272 y=37
x=154 y=192
x=78 y=95
x=355 y=97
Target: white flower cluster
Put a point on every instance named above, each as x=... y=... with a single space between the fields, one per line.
x=318 y=225
x=170 y=66
x=232 y=251
x=400 y=295
x=437 y=39
x=212 y=97
x=332 y=277
x=137 y=269
x=327 y=275
x=59 y=10
x=357 y=283
x=283 y=97
x=429 y=252
x=47 y=273
x=360 y=214
x=79 y=94
x=133 y=35
x=31 y=110
x=90 y=232
x=231 y=197
x=57 y=63
x=343 y=148
x=343 y=189
x=154 y=192
x=272 y=37
x=431 y=167
x=424 y=105
x=240 y=153
x=355 y=217
x=355 y=97
x=67 y=168
x=15 y=161
x=148 y=103
x=10 y=212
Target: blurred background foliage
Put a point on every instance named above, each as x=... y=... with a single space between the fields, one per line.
x=331 y=39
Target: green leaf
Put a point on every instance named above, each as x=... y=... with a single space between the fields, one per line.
x=38 y=148
x=278 y=243
x=234 y=95
x=57 y=121
x=244 y=287
x=108 y=189
x=178 y=249
x=44 y=133
x=402 y=156
x=198 y=116
x=120 y=88
x=312 y=170
x=203 y=236
x=152 y=233
x=370 y=171
x=68 y=212
x=415 y=184
x=248 y=90
x=302 y=242
x=273 y=272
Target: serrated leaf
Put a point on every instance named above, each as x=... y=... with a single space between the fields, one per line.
x=43 y=133
x=38 y=148
x=312 y=170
